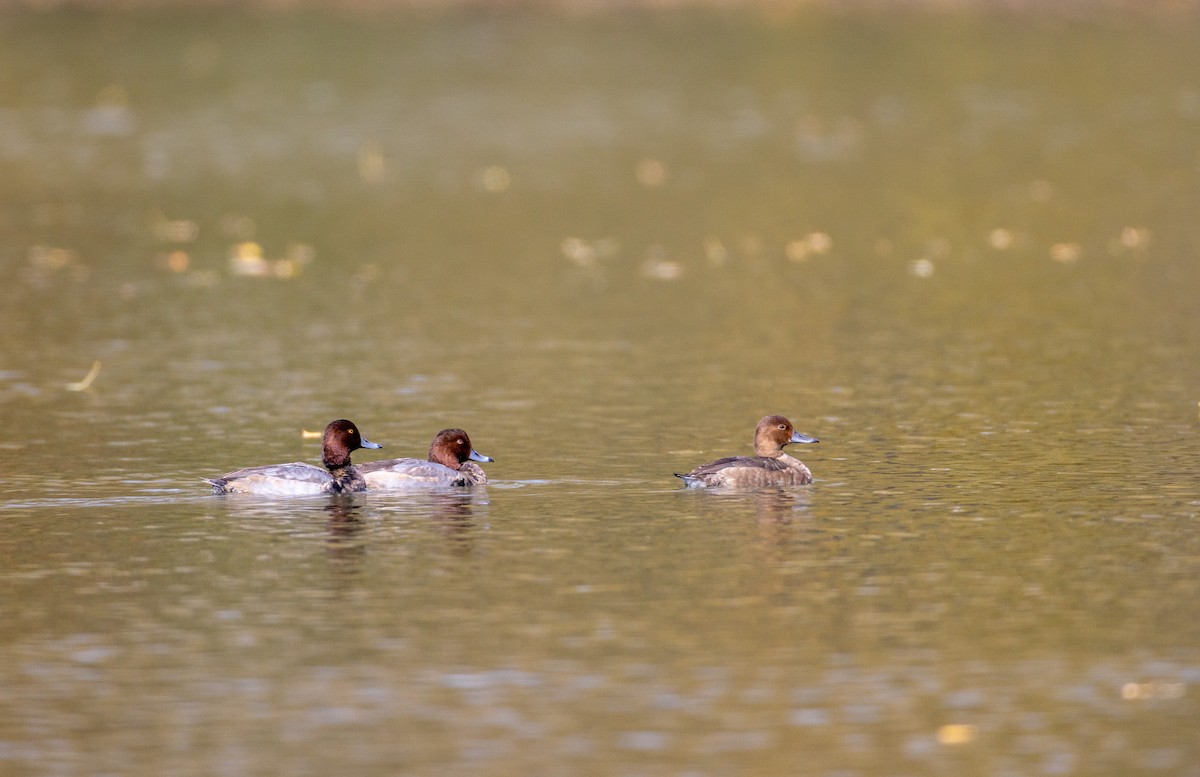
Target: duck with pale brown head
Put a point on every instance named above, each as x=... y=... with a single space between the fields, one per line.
x=769 y=466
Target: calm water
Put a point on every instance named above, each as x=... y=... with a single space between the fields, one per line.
x=961 y=249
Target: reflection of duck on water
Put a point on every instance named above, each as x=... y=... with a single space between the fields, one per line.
x=344 y=526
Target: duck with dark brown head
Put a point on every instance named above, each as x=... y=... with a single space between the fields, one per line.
x=451 y=462
x=338 y=475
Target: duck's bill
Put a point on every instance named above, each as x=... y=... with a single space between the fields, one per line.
x=368 y=444
x=477 y=456
x=803 y=438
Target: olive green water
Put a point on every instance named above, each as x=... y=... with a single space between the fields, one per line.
x=961 y=249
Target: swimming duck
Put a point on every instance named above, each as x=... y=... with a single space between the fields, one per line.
x=770 y=466
x=451 y=462
x=339 y=475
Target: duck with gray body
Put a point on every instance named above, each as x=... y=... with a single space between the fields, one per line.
x=451 y=462
x=338 y=476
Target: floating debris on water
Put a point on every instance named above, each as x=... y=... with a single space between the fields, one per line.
x=1135 y=237
x=372 y=166
x=585 y=253
x=246 y=259
x=812 y=244
x=1132 y=691
x=1001 y=239
x=493 y=179
x=1066 y=253
x=957 y=734
x=921 y=268
x=658 y=267
x=715 y=251
x=176 y=261
x=651 y=173
x=86 y=383
x=1132 y=240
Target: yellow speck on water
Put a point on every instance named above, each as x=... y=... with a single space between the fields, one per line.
x=1001 y=239
x=651 y=173
x=84 y=384
x=957 y=734
x=1135 y=237
x=246 y=258
x=812 y=244
x=494 y=179
x=1066 y=253
x=658 y=267
x=176 y=261
x=372 y=165
x=307 y=435
x=715 y=251
x=1133 y=691
x=586 y=253
x=922 y=268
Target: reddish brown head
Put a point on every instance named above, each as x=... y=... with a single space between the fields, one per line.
x=340 y=439
x=451 y=447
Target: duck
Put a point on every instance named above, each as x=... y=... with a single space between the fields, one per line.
x=339 y=476
x=451 y=462
x=769 y=466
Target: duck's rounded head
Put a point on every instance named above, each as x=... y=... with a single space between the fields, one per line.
x=451 y=447
x=774 y=432
x=340 y=438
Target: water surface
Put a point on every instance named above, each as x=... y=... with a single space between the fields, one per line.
x=960 y=248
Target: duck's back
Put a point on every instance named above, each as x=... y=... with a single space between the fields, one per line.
x=408 y=473
x=292 y=479
x=749 y=472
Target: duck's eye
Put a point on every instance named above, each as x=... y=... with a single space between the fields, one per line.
x=783 y=426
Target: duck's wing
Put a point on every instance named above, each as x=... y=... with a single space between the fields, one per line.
x=738 y=471
x=406 y=473
x=294 y=478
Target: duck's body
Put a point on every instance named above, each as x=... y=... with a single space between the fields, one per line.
x=338 y=476
x=451 y=462
x=770 y=466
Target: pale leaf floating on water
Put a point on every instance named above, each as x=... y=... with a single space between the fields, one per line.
x=1066 y=253
x=84 y=384
x=957 y=734
x=922 y=268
